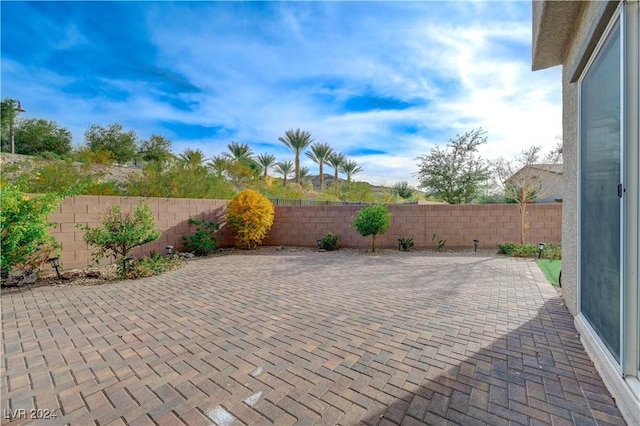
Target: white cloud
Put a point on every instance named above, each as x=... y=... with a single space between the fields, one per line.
x=265 y=68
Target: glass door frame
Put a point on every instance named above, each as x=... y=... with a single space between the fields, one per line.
x=616 y=20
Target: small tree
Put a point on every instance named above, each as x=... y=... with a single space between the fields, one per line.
x=456 y=172
x=121 y=231
x=250 y=214
x=36 y=136
x=266 y=161
x=123 y=145
x=373 y=221
x=402 y=190
x=284 y=168
x=350 y=168
x=156 y=149
x=336 y=161
x=529 y=177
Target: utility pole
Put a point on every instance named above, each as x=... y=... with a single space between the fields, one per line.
x=15 y=111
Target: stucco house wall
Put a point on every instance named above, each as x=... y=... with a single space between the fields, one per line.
x=567 y=34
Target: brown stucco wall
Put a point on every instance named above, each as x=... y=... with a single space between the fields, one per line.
x=302 y=225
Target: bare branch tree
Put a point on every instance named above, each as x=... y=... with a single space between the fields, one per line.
x=530 y=177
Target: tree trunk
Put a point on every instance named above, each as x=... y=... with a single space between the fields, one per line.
x=373 y=244
x=523 y=213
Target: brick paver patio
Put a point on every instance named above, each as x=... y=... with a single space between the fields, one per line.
x=303 y=338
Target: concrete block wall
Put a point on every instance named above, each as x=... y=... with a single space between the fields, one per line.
x=172 y=219
x=458 y=225
x=302 y=225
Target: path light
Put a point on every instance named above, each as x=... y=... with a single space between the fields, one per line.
x=128 y=262
x=541 y=246
x=55 y=264
x=475 y=245
x=399 y=243
x=169 y=250
x=319 y=243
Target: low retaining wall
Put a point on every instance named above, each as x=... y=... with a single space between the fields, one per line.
x=302 y=225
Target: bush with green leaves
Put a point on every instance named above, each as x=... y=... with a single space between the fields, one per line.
x=25 y=242
x=150 y=266
x=440 y=242
x=551 y=251
x=405 y=243
x=329 y=242
x=121 y=231
x=373 y=221
x=203 y=241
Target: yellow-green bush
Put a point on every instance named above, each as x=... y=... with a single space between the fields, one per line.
x=250 y=214
x=25 y=241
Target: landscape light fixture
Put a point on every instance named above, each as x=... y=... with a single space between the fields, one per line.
x=541 y=246
x=319 y=242
x=169 y=250
x=128 y=262
x=55 y=264
x=399 y=243
x=475 y=245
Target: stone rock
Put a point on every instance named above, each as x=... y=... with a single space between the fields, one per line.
x=21 y=279
x=71 y=274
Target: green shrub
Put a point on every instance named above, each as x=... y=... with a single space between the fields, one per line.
x=121 y=231
x=405 y=243
x=372 y=221
x=551 y=251
x=203 y=241
x=525 y=250
x=250 y=214
x=506 y=248
x=152 y=265
x=329 y=242
x=25 y=241
x=440 y=242
x=55 y=175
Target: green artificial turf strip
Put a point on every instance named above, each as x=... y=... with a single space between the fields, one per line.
x=551 y=269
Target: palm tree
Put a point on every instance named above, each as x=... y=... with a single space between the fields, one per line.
x=335 y=161
x=284 y=168
x=192 y=158
x=239 y=152
x=266 y=161
x=296 y=141
x=350 y=168
x=319 y=154
x=219 y=164
x=305 y=174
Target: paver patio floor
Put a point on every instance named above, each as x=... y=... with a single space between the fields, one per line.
x=304 y=338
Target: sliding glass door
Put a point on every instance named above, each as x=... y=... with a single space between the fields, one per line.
x=601 y=192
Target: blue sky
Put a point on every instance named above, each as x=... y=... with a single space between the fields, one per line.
x=382 y=82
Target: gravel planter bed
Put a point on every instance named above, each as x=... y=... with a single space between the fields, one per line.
x=97 y=275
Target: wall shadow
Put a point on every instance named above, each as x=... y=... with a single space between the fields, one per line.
x=538 y=373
